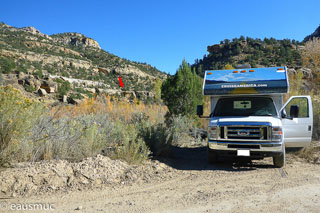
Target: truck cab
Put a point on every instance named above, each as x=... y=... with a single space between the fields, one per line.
x=248 y=118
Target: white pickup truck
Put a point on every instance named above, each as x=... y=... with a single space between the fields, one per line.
x=248 y=118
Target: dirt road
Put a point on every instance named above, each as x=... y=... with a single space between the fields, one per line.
x=187 y=184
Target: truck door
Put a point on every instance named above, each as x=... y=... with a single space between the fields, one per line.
x=297 y=121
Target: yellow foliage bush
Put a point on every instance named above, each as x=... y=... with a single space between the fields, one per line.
x=17 y=115
x=298 y=86
x=116 y=109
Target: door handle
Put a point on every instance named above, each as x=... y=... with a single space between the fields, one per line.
x=309 y=128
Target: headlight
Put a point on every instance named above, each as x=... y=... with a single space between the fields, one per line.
x=276 y=133
x=213 y=132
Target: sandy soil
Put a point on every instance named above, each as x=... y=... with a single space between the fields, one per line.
x=185 y=183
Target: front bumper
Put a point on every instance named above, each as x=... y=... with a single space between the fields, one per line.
x=256 y=149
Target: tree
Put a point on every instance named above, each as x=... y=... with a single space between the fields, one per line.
x=227 y=41
x=157 y=90
x=311 y=55
x=182 y=92
x=64 y=88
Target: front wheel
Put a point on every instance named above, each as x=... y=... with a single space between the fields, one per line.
x=280 y=161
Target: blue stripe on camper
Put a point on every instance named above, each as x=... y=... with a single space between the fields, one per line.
x=246 y=81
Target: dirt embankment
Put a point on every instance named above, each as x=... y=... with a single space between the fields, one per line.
x=41 y=178
x=184 y=183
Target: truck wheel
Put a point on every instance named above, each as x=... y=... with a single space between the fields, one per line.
x=212 y=156
x=280 y=161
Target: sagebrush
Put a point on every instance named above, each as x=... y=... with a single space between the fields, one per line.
x=132 y=132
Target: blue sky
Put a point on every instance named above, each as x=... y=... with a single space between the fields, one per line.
x=163 y=33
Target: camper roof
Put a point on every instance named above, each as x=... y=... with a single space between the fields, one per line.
x=246 y=81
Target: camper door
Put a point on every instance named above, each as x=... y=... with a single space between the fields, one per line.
x=297 y=121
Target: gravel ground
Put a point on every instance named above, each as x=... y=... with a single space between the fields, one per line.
x=183 y=183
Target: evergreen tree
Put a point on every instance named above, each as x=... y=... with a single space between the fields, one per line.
x=182 y=92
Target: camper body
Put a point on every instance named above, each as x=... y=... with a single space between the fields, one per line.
x=248 y=117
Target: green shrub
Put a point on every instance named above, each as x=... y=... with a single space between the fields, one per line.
x=64 y=88
x=132 y=151
x=130 y=147
x=68 y=138
x=83 y=136
x=30 y=88
x=38 y=73
x=158 y=140
x=17 y=116
x=76 y=96
x=6 y=65
x=161 y=137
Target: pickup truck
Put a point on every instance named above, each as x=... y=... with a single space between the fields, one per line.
x=248 y=118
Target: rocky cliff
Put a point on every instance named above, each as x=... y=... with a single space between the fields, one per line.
x=75 y=39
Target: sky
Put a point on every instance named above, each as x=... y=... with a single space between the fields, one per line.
x=163 y=32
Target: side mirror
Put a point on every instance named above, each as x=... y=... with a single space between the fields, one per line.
x=200 y=110
x=294 y=111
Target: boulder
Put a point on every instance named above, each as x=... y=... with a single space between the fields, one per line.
x=12 y=76
x=21 y=75
x=30 y=81
x=129 y=94
x=74 y=101
x=64 y=99
x=306 y=71
x=49 y=86
x=92 y=90
x=21 y=81
x=42 y=92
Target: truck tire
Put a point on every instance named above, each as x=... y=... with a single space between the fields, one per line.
x=212 y=156
x=280 y=161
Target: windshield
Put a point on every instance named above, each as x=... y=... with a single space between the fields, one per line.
x=245 y=106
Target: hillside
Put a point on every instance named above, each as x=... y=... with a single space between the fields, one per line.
x=70 y=65
x=257 y=52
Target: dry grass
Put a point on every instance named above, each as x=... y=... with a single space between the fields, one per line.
x=116 y=109
x=311 y=154
x=128 y=120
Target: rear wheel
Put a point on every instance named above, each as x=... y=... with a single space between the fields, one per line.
x=280 y=161
x=212 y=156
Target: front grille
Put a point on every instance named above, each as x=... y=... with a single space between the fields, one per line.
x=244 y=133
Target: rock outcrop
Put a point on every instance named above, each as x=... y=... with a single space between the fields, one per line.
x=76 y=39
